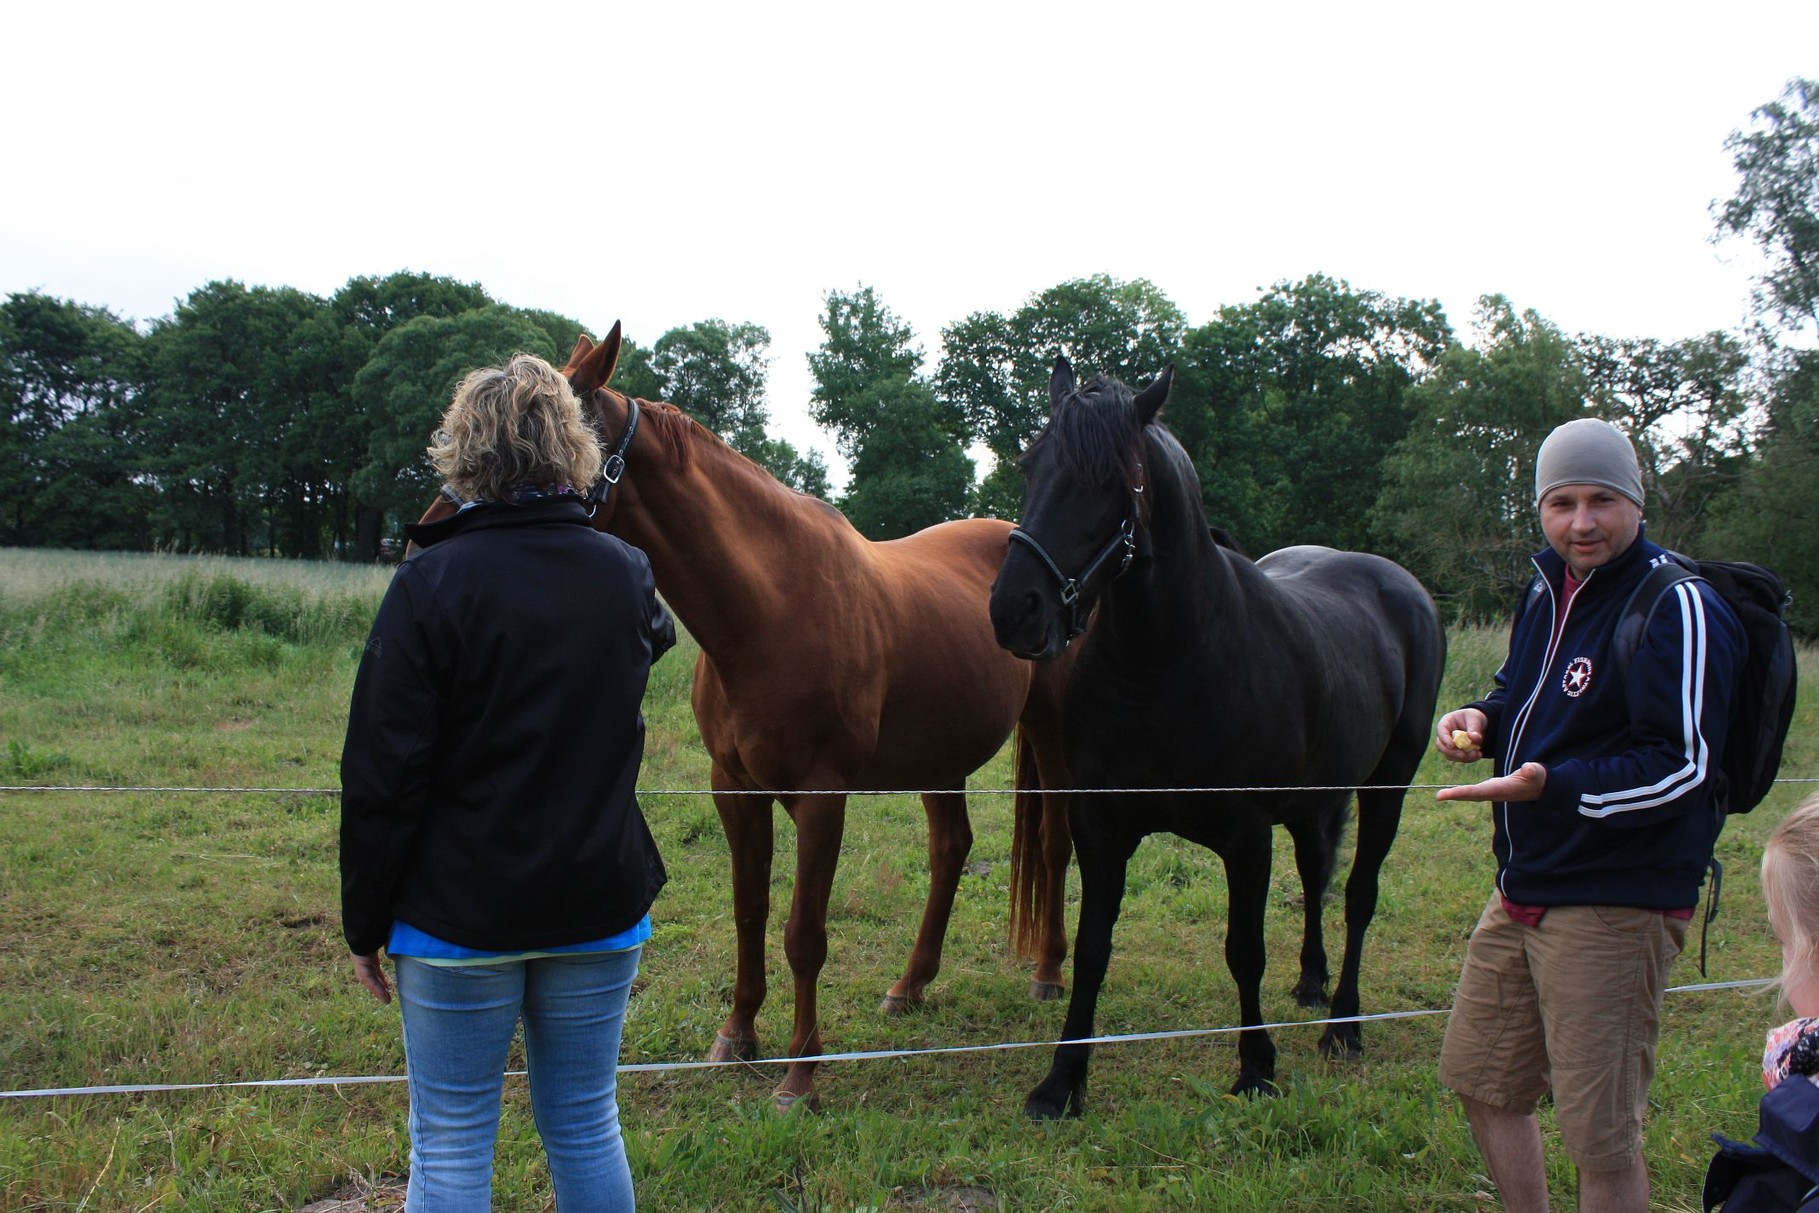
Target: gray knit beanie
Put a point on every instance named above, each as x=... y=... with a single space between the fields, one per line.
x=1588 y=451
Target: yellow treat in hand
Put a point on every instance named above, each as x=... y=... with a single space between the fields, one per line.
x=1462 y=740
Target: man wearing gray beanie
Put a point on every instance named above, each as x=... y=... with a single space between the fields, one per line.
x=1605 y=810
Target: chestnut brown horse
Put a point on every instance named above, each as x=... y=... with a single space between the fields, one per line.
x=831 y=664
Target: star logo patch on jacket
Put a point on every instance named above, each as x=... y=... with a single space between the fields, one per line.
x=1578 y=677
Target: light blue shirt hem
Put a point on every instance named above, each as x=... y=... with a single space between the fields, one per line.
x=407 y=940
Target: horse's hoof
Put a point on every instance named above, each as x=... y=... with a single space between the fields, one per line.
x=784 y=1102
x=1046 y=991
x=898 y=1004
x=728 y=1049
x=1255 y=1080
x=1310 y=996
x=1341 y=1048
x=1038 y=1108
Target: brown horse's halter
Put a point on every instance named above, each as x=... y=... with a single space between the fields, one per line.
x=1122 y=544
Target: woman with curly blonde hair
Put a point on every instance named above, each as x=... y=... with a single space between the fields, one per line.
x=490 y=840
x=513 y=426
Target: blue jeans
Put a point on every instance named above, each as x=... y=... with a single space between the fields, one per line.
x=458 y=1024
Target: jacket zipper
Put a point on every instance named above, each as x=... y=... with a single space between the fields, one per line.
x=1557 y=621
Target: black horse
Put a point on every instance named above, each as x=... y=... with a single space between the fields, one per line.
x=1309 y=669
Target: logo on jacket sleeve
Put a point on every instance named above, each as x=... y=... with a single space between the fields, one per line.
x=1578 y=677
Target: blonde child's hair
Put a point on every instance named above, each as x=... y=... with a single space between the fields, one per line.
x=1790 y=882
x=514 y=424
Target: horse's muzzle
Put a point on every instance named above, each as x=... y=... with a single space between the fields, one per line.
x=1024 y=627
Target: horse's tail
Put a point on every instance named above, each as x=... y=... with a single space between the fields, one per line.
x=1029 y=874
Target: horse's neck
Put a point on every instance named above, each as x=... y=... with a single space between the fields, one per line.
x=1187 y=578
x=733 y=551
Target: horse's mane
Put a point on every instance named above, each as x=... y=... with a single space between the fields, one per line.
x=1096 y=433
x=674 y=429
x=677 y=433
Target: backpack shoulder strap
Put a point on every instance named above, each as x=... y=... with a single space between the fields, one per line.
x=1640 y=607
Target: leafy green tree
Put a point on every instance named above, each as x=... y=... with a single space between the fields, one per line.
x=995 y=369
x=804 y=471
x=1289 y=405
x=1685 y=406
x=910 y=471
x=1777 y=203
x=909 y=465
x=225 y=396
x=406 y=386
x=376 y=306
x=633 y=374
x=863 y=344
x=1457 y=504
x=69 y=382
x=1773 y=516
x=715 y=372
x=361 y=313
x=561 y=330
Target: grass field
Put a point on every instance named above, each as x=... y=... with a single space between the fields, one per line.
x=158 y=937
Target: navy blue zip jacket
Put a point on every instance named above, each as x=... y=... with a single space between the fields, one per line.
x=495 y=736
x=1629 y=812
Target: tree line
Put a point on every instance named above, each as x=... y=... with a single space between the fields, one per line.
x=269 y=420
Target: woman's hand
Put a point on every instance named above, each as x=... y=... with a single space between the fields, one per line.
x=372 y=975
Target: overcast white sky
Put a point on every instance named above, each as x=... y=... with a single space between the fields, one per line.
x=666 y=162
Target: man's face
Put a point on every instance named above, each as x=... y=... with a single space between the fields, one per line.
x=1589 y=525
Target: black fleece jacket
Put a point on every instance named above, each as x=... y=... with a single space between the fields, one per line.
x=495 y=735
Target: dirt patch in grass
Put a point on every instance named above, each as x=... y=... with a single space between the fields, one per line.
x=383 y=1194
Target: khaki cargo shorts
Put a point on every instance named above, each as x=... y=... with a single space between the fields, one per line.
x=1572 y=1004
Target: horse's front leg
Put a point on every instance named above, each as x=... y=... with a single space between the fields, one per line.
x=820 y=821
x=1104 y=858
x=746 y=821
x=1247 y=878
x=950 y=840
x=1379 y=815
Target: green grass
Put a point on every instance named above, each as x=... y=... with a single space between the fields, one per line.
x=166 y=937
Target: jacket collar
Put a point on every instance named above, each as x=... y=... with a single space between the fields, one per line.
x=487 y=515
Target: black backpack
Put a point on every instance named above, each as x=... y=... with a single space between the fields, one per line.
x=1762 y=704
x=1780 y=1172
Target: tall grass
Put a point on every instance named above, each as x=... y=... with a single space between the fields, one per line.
x=160 y=937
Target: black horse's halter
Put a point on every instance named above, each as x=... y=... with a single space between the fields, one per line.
x=1122 y=544
x=612 y=467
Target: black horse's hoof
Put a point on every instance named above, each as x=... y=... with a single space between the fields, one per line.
x=1341 y=1046
x=1255 y=1085
x=1310 y=995
x=1043 y=1104
x=1041 y=1109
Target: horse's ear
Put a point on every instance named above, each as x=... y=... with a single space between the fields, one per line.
x=1060 y=381
x=590 y=366
x=1149 y=401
